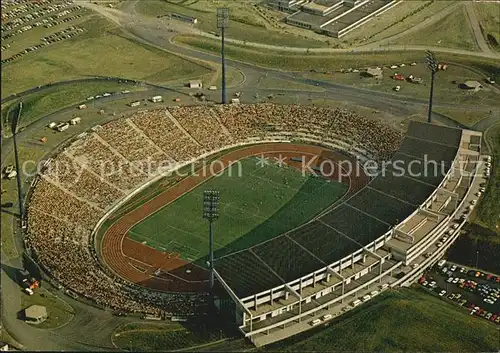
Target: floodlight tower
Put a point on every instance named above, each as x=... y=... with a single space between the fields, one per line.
x=222 y=22
x=211 y=200
x=432 y=64
x=16 y=159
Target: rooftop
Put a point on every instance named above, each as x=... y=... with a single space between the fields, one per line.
x=35 y=312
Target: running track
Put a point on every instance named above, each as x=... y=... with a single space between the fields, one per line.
x=136 y=262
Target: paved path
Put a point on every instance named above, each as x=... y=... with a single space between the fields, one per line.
x=476 y=27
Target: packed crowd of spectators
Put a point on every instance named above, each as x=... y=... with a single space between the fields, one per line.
x=203 y=125
x=163 y=132
x=85 y=180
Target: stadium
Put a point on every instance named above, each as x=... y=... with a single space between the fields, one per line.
x=124 y=228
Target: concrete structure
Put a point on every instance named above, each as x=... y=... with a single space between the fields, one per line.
x=156 y=99
x=384 y=235
x=35 y=314
x=195 y=84
x=334 y=18
x=373 y=72
x=184 y=18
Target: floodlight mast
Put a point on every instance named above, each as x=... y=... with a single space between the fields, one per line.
x=432 y=64
x=211 y=200
x=222 y=22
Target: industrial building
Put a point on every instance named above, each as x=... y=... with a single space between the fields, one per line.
x=334 y=18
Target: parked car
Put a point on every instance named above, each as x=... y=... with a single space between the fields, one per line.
x=443 y=292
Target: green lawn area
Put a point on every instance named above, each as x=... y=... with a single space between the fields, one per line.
x=489 y=208
x=244 y=24
x=489 y=18
x=51 y=99
x=162 y=337
x=453 y=31
x=261 y=203
x=100 y=50
x=293 y=61
x=407 y=320
x=467 y=118
x=401 y=18
x=59 y=312
x=446 y=84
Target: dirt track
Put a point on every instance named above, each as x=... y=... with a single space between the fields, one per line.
x=138 y=263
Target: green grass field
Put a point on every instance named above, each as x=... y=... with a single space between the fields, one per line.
x=78 y=57
x=52 y=99
x=294 y=61
x=489 y=207
x=262 y=203
x=164 y=337
x=407 y=320
x=453 y=31
x=488 y=14
x=245 y=22
x=59 y=312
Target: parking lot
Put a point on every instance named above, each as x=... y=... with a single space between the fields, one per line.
x=477 y=291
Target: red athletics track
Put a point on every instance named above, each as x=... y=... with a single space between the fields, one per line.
x=138 y=263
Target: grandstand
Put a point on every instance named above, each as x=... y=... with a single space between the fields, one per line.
x=360 y=243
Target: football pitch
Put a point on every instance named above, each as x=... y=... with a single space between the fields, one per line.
x=258 y=202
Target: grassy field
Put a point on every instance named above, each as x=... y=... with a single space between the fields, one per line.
x=162 y=337
x=52 y=99
x=489 y=18
x=76 y=58
x=446 y=89
x=407 y=320
x=245 y=22
x=293 y=61
x=399 y=19
x=59 y=312
x=467 y=118
x=488 y=214
x=453 y=31
x=248 y=214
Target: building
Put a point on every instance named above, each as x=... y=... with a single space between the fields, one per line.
x=373 y=72
x=334 y=18
x=195 y=84
x=135 y=104
x=35 y=314
x=184 y=18
x=472 y=85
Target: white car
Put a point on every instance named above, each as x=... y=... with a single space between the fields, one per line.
x=455 y=280
x=439 y=244
x=478 y=194
x=28 y=291
x=455 y=226
x=106 y=94
x=449 y=280
x=482 y=189
x=433 y=284
x=473 y=202
x=453 y=268
x=443 y=292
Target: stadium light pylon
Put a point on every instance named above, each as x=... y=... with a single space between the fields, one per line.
x=222 y=23
x=432 y=64
x=211 y=200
